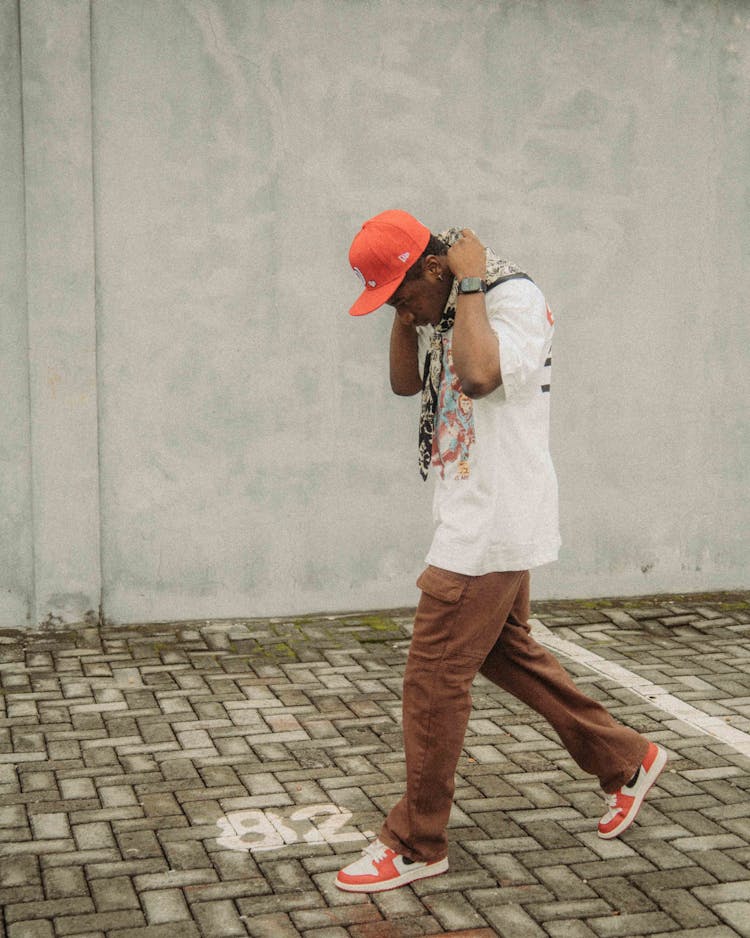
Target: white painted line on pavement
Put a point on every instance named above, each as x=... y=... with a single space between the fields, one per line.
x=655 y=695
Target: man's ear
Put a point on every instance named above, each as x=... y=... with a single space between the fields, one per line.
x=432 y=266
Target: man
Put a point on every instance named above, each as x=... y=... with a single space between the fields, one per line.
x=481 y=332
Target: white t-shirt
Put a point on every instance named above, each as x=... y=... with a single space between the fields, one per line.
x=495 y=502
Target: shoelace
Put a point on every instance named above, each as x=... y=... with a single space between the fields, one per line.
x=376 y=850
x=613 y=808
x=611 y=800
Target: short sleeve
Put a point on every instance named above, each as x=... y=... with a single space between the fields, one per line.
x=520 y=317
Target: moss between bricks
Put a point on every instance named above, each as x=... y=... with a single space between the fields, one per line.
x=736 y=601
x=376 y=626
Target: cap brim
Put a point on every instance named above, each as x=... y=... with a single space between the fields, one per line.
x=372 y=299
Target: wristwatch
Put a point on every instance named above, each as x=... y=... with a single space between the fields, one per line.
x=472 y=285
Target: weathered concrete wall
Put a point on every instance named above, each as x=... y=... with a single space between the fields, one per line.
x=252 y=459
x=56 y=82
x=16 y=577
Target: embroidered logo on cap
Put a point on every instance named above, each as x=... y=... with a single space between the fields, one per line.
x=404 y=257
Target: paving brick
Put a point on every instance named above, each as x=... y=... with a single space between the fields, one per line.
x=569 y=928
x=115 y=892
x=566 y=856
x=684 y=908
x=544 y=911
x=186 y=930
x=164 y=905
x=117 y=796
x=453 y=911
x=333 y=932
x=507 y=869
x=467 y=879
x=723 y=892
x=218 y=919
x=712 y=842
x=625 y=926
x=74 y=788
x=406 y=928
x=511 y=921
x=50 y=908
x=208 y=892
x=278 y=925
x=663 y=855
x=160 y=805
x=70 y=925
x=397 y=903
x=564 y=883
x=173 y=879
x=29 y=929
x=139 y=845
x=653 y=883
x=19 y=871
x=64 y=882
x=736 y=915
x=187 y=856
x=621 y=894
x=721 y=865
x=286 y=875
x=713 y=931
x=468 y=933
x=13 y=816
x=625 y=866
x=93 y=836
x=50 y=826
x=288 y=902
x=362 y=911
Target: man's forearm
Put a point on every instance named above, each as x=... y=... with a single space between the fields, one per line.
x=476 y=354
x=404 y=361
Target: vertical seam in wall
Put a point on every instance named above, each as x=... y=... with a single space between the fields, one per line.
x=94 y=242
x=32 y=609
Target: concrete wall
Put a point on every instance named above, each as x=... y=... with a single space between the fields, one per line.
x=211 y=435
x=16 y=563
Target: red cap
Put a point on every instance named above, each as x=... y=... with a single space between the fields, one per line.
x=381 y=253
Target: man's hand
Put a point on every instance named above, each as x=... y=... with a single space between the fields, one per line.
x=467 y=257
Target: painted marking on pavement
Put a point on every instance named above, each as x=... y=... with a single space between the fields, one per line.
x=655 y=695
x=255 y=830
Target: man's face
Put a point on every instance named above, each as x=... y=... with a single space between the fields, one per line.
x=420 y=302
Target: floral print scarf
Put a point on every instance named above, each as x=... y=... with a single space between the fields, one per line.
x=497 y=271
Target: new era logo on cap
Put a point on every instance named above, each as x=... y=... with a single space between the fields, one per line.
x=380 y=255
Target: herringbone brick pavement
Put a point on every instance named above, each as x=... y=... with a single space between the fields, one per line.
x=207 y=779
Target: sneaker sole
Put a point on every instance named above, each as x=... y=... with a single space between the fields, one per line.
x=434 y=869
x=653 y=774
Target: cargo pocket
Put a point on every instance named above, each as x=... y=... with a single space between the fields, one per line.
x=443 y=585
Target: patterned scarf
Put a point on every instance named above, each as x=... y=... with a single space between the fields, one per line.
x=497 y=270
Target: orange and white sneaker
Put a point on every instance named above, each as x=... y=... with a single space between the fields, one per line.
x=624 y=804
x=381 y=868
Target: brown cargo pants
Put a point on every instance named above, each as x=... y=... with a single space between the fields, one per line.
x=466 y=624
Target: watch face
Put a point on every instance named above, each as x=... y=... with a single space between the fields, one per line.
x=471 y=285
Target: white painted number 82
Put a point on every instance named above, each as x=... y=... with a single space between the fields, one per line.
x=257 y=830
